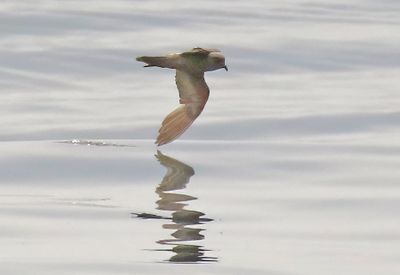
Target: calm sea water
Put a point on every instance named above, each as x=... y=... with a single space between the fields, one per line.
x=291 y=169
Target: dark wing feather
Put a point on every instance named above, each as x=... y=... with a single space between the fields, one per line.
x=198 y=51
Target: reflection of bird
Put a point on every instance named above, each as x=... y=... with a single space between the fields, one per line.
x=177 y=177
x=193 y=90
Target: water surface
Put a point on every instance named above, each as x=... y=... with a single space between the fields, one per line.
x=292 y=168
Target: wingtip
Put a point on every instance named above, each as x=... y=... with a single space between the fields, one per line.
x=158 y=155
x=160 y=142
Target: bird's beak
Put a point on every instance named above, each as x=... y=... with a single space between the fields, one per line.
x=226 y=68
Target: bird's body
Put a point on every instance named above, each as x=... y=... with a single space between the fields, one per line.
x=193 y=90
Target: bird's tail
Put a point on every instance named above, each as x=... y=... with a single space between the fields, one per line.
x=174 y=125
x=156 y=61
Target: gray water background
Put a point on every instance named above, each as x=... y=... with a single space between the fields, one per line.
x=295 y=156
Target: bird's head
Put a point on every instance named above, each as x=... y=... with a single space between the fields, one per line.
x=216 y=60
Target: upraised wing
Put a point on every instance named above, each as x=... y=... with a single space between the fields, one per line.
x=201 y=50
x=193 y=94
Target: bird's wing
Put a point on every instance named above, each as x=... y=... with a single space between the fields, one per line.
x=198 y=53
x=193 y=94
x=202 y=50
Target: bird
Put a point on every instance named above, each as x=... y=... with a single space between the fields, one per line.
x=193 y=91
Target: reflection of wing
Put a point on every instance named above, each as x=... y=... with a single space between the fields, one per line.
x=178 y=173
x=193 y=94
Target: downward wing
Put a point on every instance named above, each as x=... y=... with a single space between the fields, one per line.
x=193 y=94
